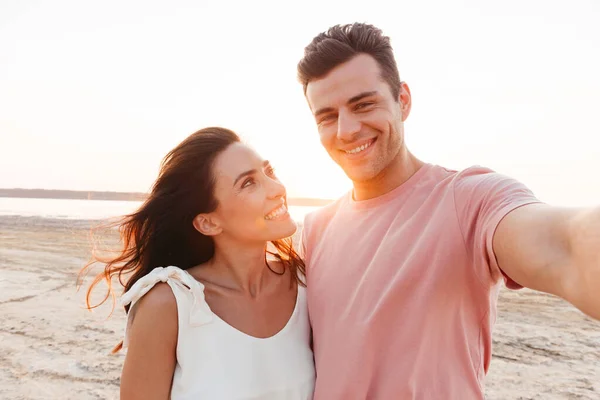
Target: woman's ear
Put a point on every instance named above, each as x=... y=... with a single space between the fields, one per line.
x=206 y=225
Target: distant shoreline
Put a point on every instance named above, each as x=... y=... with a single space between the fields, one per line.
x=120 y=196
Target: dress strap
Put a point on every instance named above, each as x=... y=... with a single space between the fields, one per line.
x=200 y=312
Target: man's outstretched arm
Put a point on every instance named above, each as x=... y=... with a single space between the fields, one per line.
x=554 y=250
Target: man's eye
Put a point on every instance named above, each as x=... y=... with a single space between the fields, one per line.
x=361 y=106
x=326 y=119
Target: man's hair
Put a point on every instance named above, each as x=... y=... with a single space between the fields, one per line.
x=341 y=43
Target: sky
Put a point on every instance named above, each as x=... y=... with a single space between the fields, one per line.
x=94 y=94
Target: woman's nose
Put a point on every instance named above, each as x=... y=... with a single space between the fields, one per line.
x=276 y=189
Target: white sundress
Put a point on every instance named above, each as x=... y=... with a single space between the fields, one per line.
x=217 y=361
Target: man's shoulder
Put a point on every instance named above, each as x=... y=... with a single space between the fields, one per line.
x=469 y=177
x=471 y=172
x=316 y=222
x=444 y=178
x=467 y=184
x=325 y=213
x=481 y=177
x=479 y=185
x=474 y=171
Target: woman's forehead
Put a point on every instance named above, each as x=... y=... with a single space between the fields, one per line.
x=237 y=159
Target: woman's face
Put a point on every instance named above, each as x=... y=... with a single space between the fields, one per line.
x=251 y=200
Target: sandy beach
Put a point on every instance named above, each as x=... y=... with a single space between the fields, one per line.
x=52 y=348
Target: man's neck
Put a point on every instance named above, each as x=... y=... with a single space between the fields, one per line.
x=394 y=175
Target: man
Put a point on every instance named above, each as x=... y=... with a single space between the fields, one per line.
x=403 y=273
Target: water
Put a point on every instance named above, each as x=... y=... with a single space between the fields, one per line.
x=89 y=209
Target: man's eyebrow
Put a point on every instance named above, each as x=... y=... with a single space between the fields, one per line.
x=352 y=100
x=323 y=110
x=361 y=96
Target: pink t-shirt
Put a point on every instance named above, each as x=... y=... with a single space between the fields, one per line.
x=402 y=288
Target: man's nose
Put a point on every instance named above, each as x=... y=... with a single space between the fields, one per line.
x=348 y=126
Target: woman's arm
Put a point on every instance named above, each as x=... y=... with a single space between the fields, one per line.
x=151 y=355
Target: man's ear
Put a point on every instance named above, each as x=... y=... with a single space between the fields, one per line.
x=207 y=225
x=405 y=100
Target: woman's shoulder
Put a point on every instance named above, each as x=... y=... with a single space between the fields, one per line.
x=160 y=296
x=154 y=316
x=159 y=301
x=168 y=279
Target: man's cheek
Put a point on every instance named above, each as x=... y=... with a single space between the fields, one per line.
x=326 y=141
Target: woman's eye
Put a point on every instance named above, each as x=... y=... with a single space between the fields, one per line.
x=271 y=171
x=247 y=183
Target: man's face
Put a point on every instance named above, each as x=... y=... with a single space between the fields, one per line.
x=359 y=121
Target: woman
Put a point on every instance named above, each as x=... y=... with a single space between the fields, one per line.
x=210 y=316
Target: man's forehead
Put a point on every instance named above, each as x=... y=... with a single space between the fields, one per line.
x=359 y=75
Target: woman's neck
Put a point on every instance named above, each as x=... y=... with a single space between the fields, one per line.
x=244 y=267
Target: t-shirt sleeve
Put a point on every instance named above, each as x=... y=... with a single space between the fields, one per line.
x=482 y=199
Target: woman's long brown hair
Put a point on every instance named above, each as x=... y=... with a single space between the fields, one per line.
x=160 y=233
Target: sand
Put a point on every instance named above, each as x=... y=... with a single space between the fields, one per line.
x=52 y=348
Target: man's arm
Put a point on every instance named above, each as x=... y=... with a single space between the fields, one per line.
x=554 y=250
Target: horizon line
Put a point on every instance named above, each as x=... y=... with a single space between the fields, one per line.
x=112 y=195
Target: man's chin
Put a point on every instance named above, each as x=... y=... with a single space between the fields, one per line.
x=360 y=176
